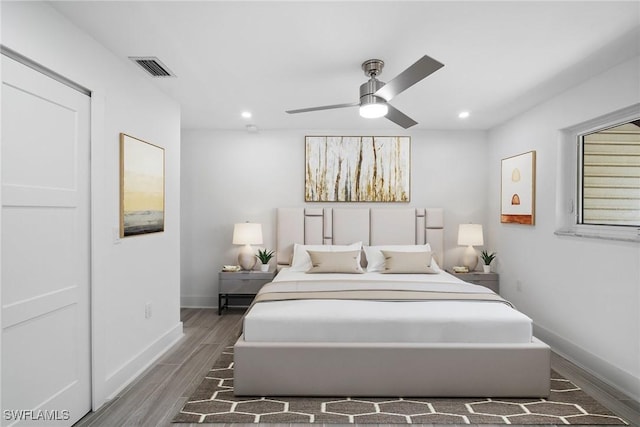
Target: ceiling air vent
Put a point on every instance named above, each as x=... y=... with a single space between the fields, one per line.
x=153 y=66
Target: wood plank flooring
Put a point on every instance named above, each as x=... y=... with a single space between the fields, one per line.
x=155 y=397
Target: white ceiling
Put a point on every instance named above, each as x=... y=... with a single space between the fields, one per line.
x=501 y=58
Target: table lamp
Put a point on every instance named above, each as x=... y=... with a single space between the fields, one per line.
x=470 y=235
x=247 y=234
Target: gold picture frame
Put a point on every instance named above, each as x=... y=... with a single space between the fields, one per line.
x=518 y=189
x=357 y=169
x=141 y=187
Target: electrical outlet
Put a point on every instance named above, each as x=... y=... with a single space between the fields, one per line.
x=147 y=310
x=519 y=285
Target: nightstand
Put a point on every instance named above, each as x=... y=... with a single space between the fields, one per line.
x=240 y=284
x=488 y=280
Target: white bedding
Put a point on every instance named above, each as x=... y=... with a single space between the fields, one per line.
x=383 y=321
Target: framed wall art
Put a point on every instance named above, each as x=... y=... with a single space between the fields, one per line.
x=141 y=187
x=518 y=193
x=357 y=168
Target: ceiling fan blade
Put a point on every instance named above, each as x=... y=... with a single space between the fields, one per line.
x=326 y=107
x=399 y=118
x=412 y=75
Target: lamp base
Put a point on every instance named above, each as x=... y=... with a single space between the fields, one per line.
x=246 y=258
x=470 y=258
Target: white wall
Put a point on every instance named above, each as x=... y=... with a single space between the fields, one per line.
x=583 y=294
x=230 y=177
x=136 y=270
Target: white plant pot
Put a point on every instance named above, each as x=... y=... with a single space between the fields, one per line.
x=264 y=267
x=486 y=268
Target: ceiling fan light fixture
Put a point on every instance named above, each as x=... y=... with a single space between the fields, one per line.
x=373 y=111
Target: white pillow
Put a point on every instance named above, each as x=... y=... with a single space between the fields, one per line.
x=302 y=262
x=375 y=258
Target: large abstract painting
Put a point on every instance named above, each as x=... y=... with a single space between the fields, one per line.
x=357 y=169
x=518 y=197
x=141 y=187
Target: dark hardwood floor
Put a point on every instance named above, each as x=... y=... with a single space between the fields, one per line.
x=160 y=392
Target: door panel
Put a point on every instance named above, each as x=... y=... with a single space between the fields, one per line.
x=52 y=141
x=48 y=371
x=45 y=248
x=41 y=259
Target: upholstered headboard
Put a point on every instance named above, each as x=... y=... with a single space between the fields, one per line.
x=371 y=226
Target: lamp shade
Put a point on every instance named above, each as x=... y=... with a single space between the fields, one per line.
x=470 y=235
x=247 y=233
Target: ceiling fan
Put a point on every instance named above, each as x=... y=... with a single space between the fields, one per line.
x=375 y=95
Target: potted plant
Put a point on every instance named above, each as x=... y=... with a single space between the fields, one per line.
x=487 y=258
x=264 y=256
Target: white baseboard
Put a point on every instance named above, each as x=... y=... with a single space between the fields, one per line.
x=128 y=372
x=617 y=378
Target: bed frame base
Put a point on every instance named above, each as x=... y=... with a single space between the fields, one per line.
x=391 y=369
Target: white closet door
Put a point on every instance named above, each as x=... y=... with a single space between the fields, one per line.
x=45 y=249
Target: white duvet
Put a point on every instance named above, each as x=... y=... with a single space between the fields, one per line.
x=383 y=321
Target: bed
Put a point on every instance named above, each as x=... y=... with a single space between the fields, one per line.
x=377 y=334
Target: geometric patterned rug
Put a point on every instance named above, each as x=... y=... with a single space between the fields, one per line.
x=214 y=402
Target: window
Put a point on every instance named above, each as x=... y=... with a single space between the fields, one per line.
x=598 y=176
x=609 y=181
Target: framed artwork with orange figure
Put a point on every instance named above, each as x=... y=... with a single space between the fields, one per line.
x=518 y=192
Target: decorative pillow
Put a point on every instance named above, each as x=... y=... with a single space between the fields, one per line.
x=335 y=262
x=408 y=262
x=302 y=262
x=375 y=259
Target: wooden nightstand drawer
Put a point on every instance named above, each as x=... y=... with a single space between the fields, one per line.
x=241 y=284
x=491 y=284
x=488 y=280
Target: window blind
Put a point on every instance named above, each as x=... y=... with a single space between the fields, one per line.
x=611 y=176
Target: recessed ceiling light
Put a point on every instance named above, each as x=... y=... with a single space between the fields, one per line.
x=246 y=114
x=463 y=114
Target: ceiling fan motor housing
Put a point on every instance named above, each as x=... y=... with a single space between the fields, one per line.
x=372 y=68
x=367 y=91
